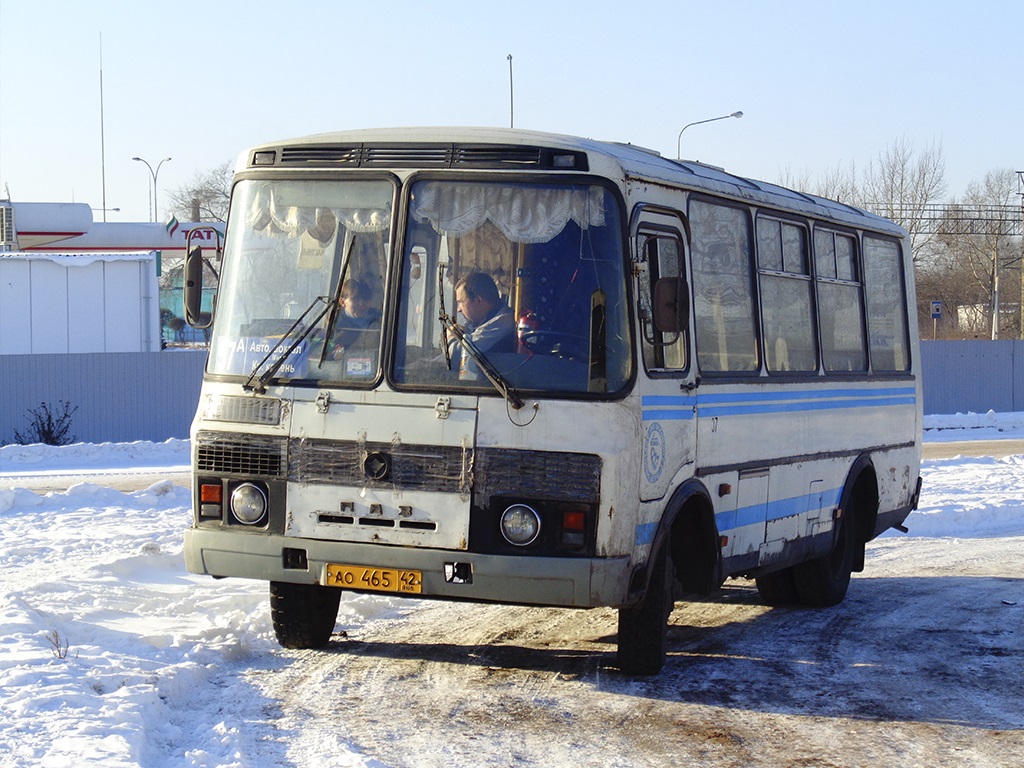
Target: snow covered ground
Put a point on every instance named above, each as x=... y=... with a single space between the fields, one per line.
x=112 y=655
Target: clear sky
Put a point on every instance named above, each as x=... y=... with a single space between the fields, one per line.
x=820 y=83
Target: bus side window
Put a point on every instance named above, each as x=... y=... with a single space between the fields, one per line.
x=723 y=288
x=786 y=311
x=843 y=346
x=664 y=302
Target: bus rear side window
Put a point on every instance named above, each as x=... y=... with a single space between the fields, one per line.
x=839 y=305
x=887 y=309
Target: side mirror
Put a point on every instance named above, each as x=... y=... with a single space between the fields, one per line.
x=671 y=302
x=194 y=266
x=194 y=289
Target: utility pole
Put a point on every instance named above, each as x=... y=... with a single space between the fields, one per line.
x=1020 y=192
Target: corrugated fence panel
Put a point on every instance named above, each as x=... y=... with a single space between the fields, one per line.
x=978 y=376
x=128 y=396
x=120 y=396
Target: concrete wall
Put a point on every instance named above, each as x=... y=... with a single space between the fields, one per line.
x=122 y=397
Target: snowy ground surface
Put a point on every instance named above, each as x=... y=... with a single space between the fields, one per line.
x=112 y=655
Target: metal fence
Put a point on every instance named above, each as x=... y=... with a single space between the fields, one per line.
x=128 y=396
x=978 y=376
x=120 y=397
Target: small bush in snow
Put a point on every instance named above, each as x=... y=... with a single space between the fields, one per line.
x=58 y=646
x=48 y=426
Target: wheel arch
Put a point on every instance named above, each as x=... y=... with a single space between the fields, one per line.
x=860 y=493
x=687 y=527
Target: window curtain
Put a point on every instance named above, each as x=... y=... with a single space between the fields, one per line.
x=267 y=216
x=523 y=214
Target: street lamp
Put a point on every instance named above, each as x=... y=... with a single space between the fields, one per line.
x=154 y=174
x=709 y=120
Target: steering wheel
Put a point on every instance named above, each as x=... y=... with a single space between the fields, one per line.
x=567 y=345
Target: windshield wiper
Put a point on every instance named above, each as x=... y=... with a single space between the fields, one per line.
x=259 y=386
x=442 y=316
x=336 y=303
x=493 y=375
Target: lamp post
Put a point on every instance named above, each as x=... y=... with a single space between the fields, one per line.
x=154 y=174
x=698 y=122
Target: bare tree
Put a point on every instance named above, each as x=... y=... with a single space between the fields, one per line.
x=839 y=183
x=901 y=186
x=205 y=197
x=993 y=250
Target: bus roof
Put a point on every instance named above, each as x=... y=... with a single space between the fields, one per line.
x=632 y=161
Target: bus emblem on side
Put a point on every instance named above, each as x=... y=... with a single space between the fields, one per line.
x=654 y=452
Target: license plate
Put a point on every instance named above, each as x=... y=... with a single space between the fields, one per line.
x=375 y=579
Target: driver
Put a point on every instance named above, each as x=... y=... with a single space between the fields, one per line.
x=490 y=324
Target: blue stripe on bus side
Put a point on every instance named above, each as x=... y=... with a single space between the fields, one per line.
x=805 y=394
x=779 y=509
x=667 y=407
x=644 y=534
x=816 y=405
x=681 y=408
x=756 y=514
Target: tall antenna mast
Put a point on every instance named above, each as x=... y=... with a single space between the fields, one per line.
x=511 y=96
x=103 y=145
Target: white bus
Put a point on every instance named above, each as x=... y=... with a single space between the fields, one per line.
x=515 y=367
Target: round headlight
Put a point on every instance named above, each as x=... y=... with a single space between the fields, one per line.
x=520 y=525
x=248 y=504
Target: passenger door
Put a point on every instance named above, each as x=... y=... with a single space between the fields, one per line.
x=666 y=379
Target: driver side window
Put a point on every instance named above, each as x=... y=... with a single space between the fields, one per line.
x=663 y=253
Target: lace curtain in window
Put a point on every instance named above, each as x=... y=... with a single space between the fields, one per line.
x=523 y=214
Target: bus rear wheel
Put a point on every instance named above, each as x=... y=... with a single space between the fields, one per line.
x=304 y=615
x=643 y=628
x=778 y=588
x=823 y=581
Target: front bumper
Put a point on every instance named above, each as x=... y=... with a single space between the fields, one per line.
x=549 y=581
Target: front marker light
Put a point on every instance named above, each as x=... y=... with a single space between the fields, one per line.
x=520 y=525
x=248 y=504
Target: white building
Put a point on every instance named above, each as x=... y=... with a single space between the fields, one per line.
x=69 y=284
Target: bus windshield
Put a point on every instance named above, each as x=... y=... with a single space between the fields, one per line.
x=303 y=279
x=533 y=276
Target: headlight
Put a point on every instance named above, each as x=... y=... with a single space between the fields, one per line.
x=248 y=504
x=520 y=525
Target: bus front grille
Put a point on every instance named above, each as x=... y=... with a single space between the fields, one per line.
x=380 y=465
x=450 y=469
x=224 y=453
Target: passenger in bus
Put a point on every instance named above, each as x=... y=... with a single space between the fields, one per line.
x=357 y=327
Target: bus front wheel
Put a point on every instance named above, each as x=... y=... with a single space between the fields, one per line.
x=643 y=628
x=303 y=614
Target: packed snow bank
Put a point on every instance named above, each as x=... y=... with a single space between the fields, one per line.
x=973 y=426
x=41 y=458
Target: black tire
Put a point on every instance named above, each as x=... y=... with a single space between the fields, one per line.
x=643 y=628
x=778 y=588
x=304 y=615
x=823 y=581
